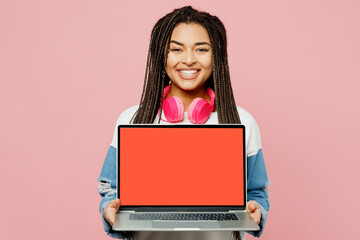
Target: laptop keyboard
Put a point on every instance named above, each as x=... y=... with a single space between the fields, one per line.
x=184 y=216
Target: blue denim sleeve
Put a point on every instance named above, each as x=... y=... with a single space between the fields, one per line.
x=257 y=188
x=107 y=189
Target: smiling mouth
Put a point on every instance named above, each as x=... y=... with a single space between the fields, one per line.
x=188 y=74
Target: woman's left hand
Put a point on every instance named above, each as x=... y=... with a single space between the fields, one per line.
x=254 y=209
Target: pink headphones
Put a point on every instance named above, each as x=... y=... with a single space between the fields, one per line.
x=198 y=111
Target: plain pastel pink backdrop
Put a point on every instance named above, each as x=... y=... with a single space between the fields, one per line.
x=69 y=68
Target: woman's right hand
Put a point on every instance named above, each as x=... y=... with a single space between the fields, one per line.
x=110 y=211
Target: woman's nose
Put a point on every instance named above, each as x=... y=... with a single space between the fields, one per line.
x=189 y=58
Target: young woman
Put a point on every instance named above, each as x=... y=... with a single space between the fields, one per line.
x=187 y=80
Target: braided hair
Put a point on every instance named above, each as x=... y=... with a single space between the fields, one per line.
x=156 y=78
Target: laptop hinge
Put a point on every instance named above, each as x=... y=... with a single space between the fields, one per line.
x=237 y=210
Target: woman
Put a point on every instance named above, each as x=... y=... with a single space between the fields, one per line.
x=187 y=80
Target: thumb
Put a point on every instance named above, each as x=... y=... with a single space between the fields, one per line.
x=115 y=204
x=251 y=207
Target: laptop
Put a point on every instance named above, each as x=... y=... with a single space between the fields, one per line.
x=182 y=178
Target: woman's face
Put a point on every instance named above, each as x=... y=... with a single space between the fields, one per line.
x=189 y=63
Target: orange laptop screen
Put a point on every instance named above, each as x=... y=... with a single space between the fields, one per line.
x=181 y=166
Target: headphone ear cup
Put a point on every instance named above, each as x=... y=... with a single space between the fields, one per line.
x=199 y=111
x=173 y=109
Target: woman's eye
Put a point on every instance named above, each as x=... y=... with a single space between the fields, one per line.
x=203 y=50
x=175 y=50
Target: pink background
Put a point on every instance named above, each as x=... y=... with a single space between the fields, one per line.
x=68 y=68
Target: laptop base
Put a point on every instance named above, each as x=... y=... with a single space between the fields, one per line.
x=245 y=223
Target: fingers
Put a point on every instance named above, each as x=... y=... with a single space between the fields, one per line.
x=254 y=210
x=110 y=211
x=256 y=216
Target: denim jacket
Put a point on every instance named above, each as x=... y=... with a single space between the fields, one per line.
x=257 y=180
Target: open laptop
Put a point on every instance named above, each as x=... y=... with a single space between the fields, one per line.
x=182 y=178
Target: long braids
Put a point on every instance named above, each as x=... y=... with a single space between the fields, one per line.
x=155 y=71
x=225 y=102
x=156 y=78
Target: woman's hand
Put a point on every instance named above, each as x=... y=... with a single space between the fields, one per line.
x=110 y=211
x=254 y=209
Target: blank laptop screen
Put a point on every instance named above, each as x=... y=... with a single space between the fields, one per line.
x=184 y=166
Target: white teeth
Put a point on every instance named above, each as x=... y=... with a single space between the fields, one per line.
x=188 y=72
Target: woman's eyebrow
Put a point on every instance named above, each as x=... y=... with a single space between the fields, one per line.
x=181 y=44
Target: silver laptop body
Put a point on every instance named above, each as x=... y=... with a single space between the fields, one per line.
x=144 y=215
